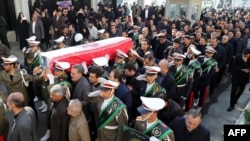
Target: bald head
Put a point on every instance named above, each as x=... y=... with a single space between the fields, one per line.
x=164 y=65
x=16 y=99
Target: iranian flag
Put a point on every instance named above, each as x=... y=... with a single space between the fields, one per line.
x=86 y=52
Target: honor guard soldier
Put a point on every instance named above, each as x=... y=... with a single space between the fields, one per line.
x=28 y=54
x=112 y=112
x=135 y=34
x=196 y=71
x=148 y=122
x=60 y=77
x=119 y=59
x=15 y=79
x=59 y=43
x=183 y=79
x=132 y=57
x=102 y=63
x=148 y=84
x=208 y=65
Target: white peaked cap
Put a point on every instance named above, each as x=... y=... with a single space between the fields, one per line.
x=100 y=61
x=109 y=84
x=60 y=39
x=78 y=37
x=121 y=54
x=153 y=69
x=150 y=104
x=194 y=50
x=101 y=31
x=62 y=65
x=10 y=59
x=134 y=53
x=31 y=38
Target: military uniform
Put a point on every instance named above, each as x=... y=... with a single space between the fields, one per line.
x=184 y=83
x=112 y=115
x=15 y=82
x=156 y=128
x=196 y=71
x=208 y=66
x=155 y=88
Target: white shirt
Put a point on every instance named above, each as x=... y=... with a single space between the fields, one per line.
x=33 y=26
x=150 y=124
x=93 y=32
x=191 y=61
x=149 y=86
x=106 y=102
x=178 y=68
x=146 y=13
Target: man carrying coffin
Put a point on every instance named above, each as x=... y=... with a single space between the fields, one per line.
x=112 y=112
x=148 y=122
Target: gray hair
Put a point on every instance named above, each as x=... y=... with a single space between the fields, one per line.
x=76 y=104
x=79 y=68
x=194 y=113
x=58 y=90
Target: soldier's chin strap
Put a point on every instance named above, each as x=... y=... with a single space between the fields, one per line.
x=148 y=116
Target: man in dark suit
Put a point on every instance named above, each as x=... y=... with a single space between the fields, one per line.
x=80 y=87
x=240 y=77
x=189 y=128
x=57 y=24
x=36 y=28
x=166 y=78
x=59 y=119
x=23 y=127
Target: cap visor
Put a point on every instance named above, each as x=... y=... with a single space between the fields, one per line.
x=56 y=69
x=150 y=74
x=142 y=111
x=104 y=88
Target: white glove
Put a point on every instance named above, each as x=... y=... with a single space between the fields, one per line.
x=101 y=80
x=130 y=31
x=85 y=68
x=24 y=49
x=153 y=138
x=141 y=77
x=107 y=56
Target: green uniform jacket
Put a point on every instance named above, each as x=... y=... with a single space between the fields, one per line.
x=16 y=85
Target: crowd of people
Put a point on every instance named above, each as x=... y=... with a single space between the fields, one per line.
x=158 y=87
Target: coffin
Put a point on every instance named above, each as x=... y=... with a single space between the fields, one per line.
x=85 y=52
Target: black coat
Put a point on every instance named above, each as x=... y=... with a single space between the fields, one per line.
x=178 y=125
x=59 y=121
x=220 y=56
x=168 y=113
x=238 y=75
x=168 y=82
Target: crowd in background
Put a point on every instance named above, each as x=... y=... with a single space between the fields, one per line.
x=177 y=60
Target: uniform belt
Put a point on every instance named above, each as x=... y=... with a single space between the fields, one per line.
x=181 y=85
x=111 y=127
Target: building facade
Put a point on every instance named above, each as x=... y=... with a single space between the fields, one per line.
x=11 y=8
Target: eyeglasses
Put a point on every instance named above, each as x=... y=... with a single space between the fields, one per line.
x=161 y=36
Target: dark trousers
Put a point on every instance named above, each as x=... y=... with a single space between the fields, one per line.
x=236 y=92
x=213 y=82
x=203 y=92
x=4 y=39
